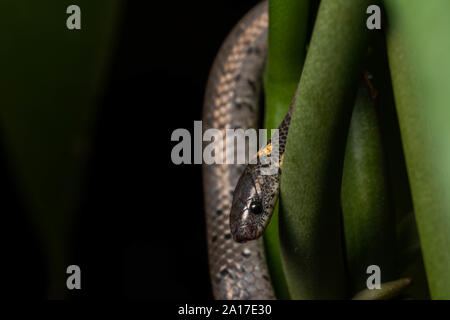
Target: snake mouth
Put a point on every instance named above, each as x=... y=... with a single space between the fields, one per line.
x=245 y=233
x=239 y=238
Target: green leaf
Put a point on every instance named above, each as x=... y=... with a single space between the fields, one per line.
x=52 y=79
x=369 y=222
x=310 y=235
x=418 y=46
x=286 y=54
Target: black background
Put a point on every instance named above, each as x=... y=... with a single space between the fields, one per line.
x=140 y=231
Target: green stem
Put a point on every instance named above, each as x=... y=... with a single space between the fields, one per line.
x=55 y=78
x=369 y=223
x=420 y=67
x=310 y=235
x=286 y=54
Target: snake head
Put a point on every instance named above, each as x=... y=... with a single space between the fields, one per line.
x=252 y=205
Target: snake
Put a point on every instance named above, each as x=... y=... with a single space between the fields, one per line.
x=238 y=199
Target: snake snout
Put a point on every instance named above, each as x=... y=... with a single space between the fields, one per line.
x=244 y=232
x=238 y=237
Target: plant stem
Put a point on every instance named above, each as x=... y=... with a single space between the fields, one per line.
x=369 y=223
x=418 y=46
x=310 y=235
x=54 y=77
x=286 y=54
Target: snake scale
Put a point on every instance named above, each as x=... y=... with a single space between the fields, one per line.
x=239 y=199
x=238 y=268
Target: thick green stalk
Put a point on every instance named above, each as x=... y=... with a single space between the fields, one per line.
x=409 y=255
x=418 y=46
x=286 y=54
x=369 y=223
x=288 y=21
x=310 y=235
x=54 y=78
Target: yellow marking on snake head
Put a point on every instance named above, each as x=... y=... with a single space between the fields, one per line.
x=266 y=150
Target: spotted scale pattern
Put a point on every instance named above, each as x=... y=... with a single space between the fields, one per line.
x=238 y=271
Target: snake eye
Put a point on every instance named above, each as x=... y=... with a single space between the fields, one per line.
x=255 y=207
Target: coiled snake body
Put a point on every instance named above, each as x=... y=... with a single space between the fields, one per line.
x=239 y=199
x=238 y=269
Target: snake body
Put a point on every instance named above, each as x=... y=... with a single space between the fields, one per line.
x=238 y=269
x=239 y=200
